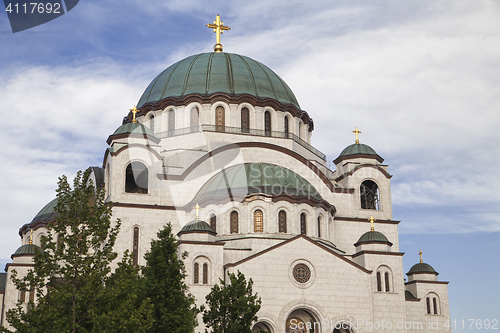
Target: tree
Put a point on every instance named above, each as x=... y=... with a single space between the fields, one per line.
x=75 y=289
x=163 y=283
x=232 y=308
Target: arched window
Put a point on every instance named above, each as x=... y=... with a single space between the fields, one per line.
x=369 y=195
x=300 y=129
x=234 y=222
x=434 y=302
x=22 y=296
x=245 y=120
x=220 y=119
x=194 y=119
x=196 y=273
x=428 y=305
x=379 y=282
x=285 y=125
x=213 y=222
x=319 y=226
x=205 y=273
x=282 y=221
x=387 y=286
x=135 y=247
x=171 y=123
x=59 y=242
x=258 y=221
x=267 y=123
x=136 y=178
x=303 y=224
x=152 y=123
x=32 y=295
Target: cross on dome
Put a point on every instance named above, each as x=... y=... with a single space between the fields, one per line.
x=357 y=134
x=219 y=28
x=134 y=111
x=420 y=252
x=197 y=208
x=372 y=220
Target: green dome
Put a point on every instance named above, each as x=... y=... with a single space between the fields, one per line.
x=47 y=213
x=209 y=73
x=358 y=148
x=422 y=267
x=197 y=225
x=373 y=237
x=249 y=178
x=27 y=249
x=133 y=128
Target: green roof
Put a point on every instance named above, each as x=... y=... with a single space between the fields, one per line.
x=358 y=148
x=197 y=225
x=373 y=237
x=27 y=249
x=250 y=178
x=134 y=128
x=210 y=73
x=422 y=267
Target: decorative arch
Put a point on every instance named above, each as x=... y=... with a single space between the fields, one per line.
x=369 y=195
x=384 y=279
x=220 y=119
x=267 y=123
x=201 y=270
x=433 y=304
x=282 y=222
x=303 y=224
x=234 y=222
x=245 y=120
x=262 y=326
x=258 y=221
x=136 y=178
x=194 y=118
x=171 y=122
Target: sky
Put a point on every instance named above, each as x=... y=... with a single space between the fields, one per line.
x=419 y=78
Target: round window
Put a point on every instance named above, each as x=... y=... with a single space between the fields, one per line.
x=301 y=273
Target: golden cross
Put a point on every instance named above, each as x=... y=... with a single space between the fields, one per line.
x=134 y=111
x=197 y=208
x=31 y=236
x=420 y=256
x=357 y=134
x=219 y=28
x=372 y=220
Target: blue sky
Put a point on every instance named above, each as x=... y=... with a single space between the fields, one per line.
x=420 y=79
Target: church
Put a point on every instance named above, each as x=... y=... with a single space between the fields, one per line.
x=219 y=146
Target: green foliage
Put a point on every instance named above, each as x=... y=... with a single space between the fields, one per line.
x=232 y=308
x=163 y=284
x=75 y=289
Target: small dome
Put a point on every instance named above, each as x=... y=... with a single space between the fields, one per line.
x=252 y=178
x=47 y=213
x=358 y=148
x=422 y=267
x=197 y=226
x=206 y=74
x=134 y=128
x=373 y=237
x=27 y=250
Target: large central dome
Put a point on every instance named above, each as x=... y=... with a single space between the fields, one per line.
x=210 y=73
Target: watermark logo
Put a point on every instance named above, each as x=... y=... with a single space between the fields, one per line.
x=28 y=14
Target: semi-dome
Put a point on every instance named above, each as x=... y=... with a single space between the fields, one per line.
x=373 y=237
x=47 y=213
x=197 y=226
x=422 y=267
x=252 y=178
x=206 y=74
x=27 y=250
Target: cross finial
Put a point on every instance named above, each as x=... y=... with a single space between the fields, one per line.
x=31 y=236
x=197 y=208
x=134 y=111
x=219 y=28
x=357 y=134
x=372 y=220
x=420 y=252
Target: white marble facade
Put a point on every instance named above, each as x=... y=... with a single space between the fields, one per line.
x=313 y=275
